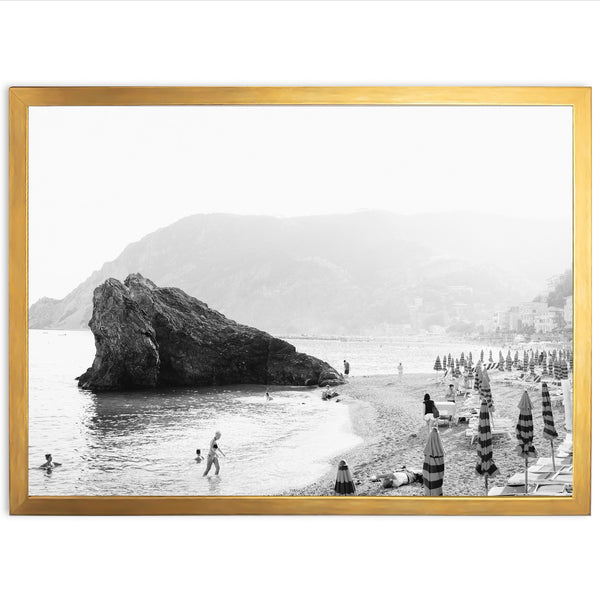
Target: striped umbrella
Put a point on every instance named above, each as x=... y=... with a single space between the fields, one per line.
x=500 y=361
x=550 y=366
x=525 y=448
x=433 y=465
x=525 y=361
x=549 y=429
x=532 y=364
x=470 y=378
x=344 y=485
x=470 y=357
x=462 y=359
x=485 y=462
x=438 y=364
x=477 y=381
x=516 y=361
x=544 y=366
x=564 y=370
x=571 y=361
x=508 y=362
x=537 y=356
x=491 y=357
x=444 y=362
x=481 y=356
x=485 y=390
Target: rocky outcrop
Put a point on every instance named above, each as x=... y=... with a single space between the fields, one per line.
x=147 y=336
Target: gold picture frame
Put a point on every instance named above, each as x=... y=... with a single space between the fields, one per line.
x=21 y=98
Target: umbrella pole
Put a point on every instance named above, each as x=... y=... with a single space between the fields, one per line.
x=486 y=483
x=553 y=463
x=526 y=483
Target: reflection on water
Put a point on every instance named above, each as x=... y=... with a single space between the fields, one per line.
x=144 y=442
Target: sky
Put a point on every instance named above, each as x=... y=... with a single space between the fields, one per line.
x=103 y=177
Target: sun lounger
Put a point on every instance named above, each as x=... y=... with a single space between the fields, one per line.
x=533 y=490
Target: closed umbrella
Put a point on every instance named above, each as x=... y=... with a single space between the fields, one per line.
x=477 y=381
x=544 y=366
x=500 y=361
x=549 y=429
x=344 y=485
x=462 y=359
x=550 y=366
x=571 y=361
x=491 y=357
x=532 y=366
x=481 y=356
x=508 y=362
x=444 y=362
x=516 y=361
x=525 y=361
x=438 y=364
x=485 y=390
x=433 y=465
x=525 y=448
x=485 y=462
x=564 y=370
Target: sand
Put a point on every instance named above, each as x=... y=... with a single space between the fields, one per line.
x=387 y=413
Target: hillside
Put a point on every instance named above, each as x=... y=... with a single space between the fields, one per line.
x=363 y=273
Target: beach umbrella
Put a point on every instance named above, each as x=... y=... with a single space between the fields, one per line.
x=477 y=381
x=444 y=362
x=485 y=391
x=457 y=370
x=532 y=364
x=525 y=361
x=485 y=462
x=500 y=361
x=508 y=362
x=550 y=365
x=544 y=366
x=549 y=429
x=571 y=361
x=470 y=377
x=481 y=356
x=470 y=357
x=438 y=364
x=525 y=448
x=516 y=361
x=462 y=359
x=537 y=356
x=344 y=485
x=433 y=465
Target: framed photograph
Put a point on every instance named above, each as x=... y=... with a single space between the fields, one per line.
x=353 y=300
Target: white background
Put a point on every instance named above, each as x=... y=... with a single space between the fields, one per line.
x=339 y=43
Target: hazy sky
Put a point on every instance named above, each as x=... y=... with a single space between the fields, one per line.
x=102 y=177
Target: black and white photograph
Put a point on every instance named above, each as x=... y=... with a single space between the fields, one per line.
x=300 y=301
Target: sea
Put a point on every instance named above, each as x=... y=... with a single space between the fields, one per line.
x=144 y=443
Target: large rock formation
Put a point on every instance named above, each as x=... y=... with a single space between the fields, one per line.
x=147 y=336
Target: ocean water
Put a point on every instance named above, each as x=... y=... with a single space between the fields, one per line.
x=144 y=443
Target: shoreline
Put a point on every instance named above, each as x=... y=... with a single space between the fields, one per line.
x=386 y=413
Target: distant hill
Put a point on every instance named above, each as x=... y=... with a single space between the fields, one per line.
x=363 y=273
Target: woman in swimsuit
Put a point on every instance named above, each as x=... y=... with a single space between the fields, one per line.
x=212 y=455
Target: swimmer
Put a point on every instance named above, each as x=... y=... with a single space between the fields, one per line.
x=50 y=464
x=268 y=397
x=199 y=457
x=212 y=457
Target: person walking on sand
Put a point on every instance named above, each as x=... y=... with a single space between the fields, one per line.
x=346 y=368
x=212 y=457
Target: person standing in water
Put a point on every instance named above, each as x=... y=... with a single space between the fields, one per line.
x=400 y=369
x=212 y=457
x=346 y=368
x=49 y=464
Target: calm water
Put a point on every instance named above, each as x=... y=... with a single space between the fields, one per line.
x=143 y=443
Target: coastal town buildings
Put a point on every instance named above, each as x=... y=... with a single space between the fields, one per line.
x=535 y=317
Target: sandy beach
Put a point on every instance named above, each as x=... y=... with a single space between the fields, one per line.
x=386 y=413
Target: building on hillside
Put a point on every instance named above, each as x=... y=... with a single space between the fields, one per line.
x=528 y=312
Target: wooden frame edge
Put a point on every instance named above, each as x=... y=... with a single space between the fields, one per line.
x=21 y=98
